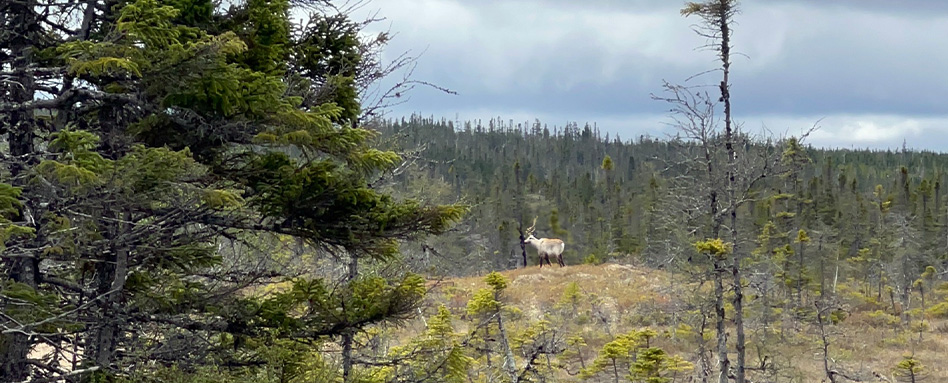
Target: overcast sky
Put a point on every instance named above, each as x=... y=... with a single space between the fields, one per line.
x=874 y=71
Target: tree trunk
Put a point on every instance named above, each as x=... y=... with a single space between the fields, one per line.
x=937 y=199
x=826 y=367
x=724 y=20
x=800 y=275
x=112 y=275
x=510 y=364
x=836 y=274
x=15 y=347
x=487 y=349
x=703 y=359
x=739 y=319
x=582 y=360
x=347 y=357
x=724 y=363
x=347 y=337
x=105 y=336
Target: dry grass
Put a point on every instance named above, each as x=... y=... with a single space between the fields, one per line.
x=627 y=298
x=533 y=286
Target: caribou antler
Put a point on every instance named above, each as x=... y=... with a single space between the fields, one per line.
x=530 y=230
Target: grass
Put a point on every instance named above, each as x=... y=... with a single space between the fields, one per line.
x=615 y=299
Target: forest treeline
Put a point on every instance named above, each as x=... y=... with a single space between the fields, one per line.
x=603 y=195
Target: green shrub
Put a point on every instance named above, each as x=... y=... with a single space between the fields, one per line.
x=837 y=316
x=881 y=318
x=938 y=311
x=592 y=259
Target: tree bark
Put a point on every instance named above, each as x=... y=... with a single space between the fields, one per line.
x=724 y=363
x=724 y=16
x=510 y=364
x=348 y=336
x=703 y=359
x=347 y=357
x=836 y=274
x=20 y=125
x=112 y=275
x=830 y=374
x=615 y=371
x=800 y=274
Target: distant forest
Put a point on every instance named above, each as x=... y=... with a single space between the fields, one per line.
x=868 y=211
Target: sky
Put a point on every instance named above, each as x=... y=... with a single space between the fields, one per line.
x=871 y=73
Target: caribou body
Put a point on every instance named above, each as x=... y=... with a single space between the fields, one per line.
x=546 y=247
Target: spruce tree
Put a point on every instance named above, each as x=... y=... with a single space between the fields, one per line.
x=179 y=147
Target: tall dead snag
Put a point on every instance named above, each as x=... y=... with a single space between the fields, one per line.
x=717 y=16
x=697 y=190
x=718 y=173
x=721 y=179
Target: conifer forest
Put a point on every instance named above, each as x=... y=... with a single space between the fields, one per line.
x=213 y=191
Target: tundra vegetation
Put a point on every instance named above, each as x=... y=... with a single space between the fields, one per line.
x=195 y=191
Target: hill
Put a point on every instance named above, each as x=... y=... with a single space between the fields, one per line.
x=835 y=256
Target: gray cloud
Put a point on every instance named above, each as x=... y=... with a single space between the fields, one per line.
x=874 y=63
x=921 y=8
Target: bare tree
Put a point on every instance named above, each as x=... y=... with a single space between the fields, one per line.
x=827 y=309
x=718 y=16
x=717 y=173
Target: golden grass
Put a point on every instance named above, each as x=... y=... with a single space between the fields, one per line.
x=630 y=298
x=533 y=285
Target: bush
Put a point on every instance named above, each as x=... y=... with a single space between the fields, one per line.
x=592 y=259
x=881 y=318
x=837 y=316
x=920 y=326
x=938 y=311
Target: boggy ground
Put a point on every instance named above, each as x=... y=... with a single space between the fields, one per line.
x=600 y=302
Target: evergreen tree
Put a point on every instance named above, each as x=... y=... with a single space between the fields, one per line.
x=182 y=138
x=910 y=370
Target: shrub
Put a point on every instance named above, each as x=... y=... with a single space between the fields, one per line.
x=938 y=311
x=881 y=318
x=592 y=259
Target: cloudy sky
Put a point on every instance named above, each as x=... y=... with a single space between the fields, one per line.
x=874 y=71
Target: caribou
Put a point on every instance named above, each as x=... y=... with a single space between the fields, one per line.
x=545 y=246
